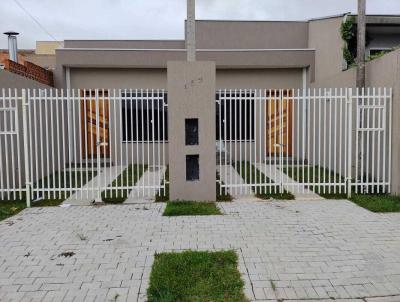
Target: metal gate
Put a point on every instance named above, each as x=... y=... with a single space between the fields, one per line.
x=330 y=141
x=12 y=184
x=87 y=145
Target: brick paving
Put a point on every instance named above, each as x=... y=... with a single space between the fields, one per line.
x=300 y=250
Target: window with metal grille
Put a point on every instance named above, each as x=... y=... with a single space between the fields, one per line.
x=237 y=110
x=144 y=116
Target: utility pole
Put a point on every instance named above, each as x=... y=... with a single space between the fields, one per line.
x=361 y=29
x=360 y=81
x=191 y=31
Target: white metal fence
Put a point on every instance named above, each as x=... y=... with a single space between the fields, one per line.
x=112 y=144
x=330 y=141
x=83 y=144
x=11 y=172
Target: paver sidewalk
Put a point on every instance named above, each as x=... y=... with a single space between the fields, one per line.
x=228 y=174
x=151 y=178
x=319 y=250
x=298 y=190
x=103 y=179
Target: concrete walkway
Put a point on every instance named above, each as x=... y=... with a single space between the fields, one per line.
x=229 y=175
x=102 y=180
x=151 y=178
x=293 y=250
x=298 y=190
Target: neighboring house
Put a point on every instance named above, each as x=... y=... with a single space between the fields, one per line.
x=22 y=55
x=43 y=55
x=260 y=54
x=37 y=64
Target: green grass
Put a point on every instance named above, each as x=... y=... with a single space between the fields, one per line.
x=329 y=192
x=11 y=208
x=377 y=203
x=164 y=197
x=17 y=203
x=249 y=172
x=163 y=194
x=67 y=179
x=128 y=178
x=302 y=175
x=196 y=277
x=190 y=208
x=222 y=193
x=57 y=180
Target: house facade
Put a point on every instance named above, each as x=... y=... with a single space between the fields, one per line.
x=265 y=54
x=112 y=98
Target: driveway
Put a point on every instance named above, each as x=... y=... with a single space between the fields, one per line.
x=308 y=249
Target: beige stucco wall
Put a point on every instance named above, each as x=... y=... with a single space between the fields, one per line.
x=12 y=80
x=191 y=94
x=118 y=78
x=259 y=78
x=382 y=72
x=324 y=37
x=342 y=79
x=385 y=72
x=16 y=83
x=47 y=47
x=45 y=61
x=251 y=35
x=157 y=59
x=157 y=78
x=44 y=142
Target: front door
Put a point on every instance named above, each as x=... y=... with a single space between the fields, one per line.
x=279 y=122
x=95 y=114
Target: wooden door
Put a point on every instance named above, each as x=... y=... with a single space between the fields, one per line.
x=279 y=122
x=89 y=124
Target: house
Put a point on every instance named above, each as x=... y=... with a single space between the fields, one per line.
x=248 y=54
x=264 y=113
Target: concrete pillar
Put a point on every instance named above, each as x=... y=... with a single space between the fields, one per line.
x=191 y=95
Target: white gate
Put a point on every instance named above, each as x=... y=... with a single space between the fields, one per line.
x=12 y=185
x=271 y=141
x=87 y=145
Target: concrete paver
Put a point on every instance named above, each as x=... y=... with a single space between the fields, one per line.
x=229 y=175
x=297 y=189
x=89 y=191
x=153 y=177
x=298 y=250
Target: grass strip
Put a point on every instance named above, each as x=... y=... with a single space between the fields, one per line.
x=196 y=276
x=222 y=193
x=377 y=203
x=251 y=175
x=191 y=208
x=163 y=194
x=320 y=175
x=11 y=208
x=128 y=178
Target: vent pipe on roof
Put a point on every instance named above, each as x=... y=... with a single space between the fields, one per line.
x=12 y=45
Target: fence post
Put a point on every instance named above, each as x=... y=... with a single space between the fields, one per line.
x=349 y=145
x=25 y=104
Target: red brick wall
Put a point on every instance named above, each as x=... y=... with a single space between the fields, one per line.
x=31 y=71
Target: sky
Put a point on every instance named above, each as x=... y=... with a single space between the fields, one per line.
x=154 y=19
